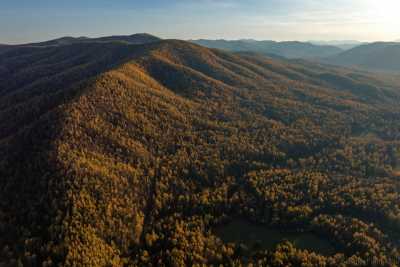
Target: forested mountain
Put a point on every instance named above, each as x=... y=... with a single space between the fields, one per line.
x=139 y=38
x=114 y=154
x=379 y=56
x=290 y=49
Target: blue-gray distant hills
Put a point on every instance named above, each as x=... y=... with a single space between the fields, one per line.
x=379 y=56
x=343 y=44
x=291 y=49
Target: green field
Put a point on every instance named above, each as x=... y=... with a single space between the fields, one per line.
x=255 y=236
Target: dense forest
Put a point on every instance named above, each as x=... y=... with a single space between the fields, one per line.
x=119 y=154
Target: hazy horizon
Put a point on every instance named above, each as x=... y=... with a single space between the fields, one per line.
x=213 y=39
x=284 y=20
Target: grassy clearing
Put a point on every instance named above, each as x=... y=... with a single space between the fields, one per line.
x=255 y=236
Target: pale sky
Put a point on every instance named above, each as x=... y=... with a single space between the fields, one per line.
x=365 y=20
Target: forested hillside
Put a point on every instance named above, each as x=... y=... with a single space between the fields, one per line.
x=115 y=154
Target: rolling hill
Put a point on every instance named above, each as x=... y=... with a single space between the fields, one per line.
x=379 y=56
x=284 y=49
x=120 y=154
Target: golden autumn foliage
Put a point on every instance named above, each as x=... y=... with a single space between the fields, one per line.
x=129 y=155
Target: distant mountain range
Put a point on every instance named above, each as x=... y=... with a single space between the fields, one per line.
x=292 y=49
x=345 y=44
x=380 y=56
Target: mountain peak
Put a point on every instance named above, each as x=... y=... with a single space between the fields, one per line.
x=144 y=34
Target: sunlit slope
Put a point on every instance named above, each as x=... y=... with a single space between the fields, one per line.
x=100 y=143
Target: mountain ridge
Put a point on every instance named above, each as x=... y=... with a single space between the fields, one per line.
x=138 y=38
